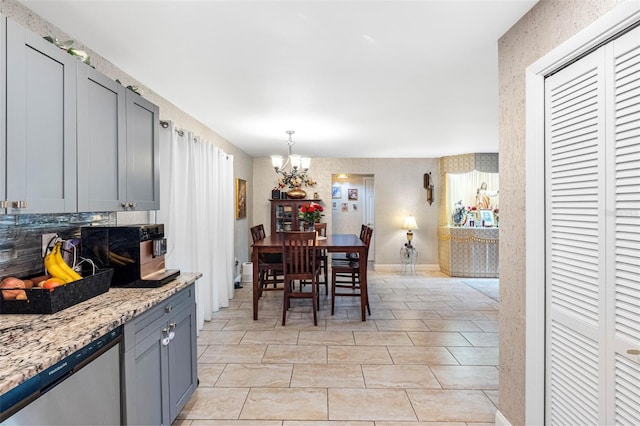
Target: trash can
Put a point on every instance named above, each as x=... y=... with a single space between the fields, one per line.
x=247 y=272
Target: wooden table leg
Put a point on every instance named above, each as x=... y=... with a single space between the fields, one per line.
x=254 y=259
x=364 y=295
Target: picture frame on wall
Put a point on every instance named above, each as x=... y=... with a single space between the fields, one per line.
x=345 y=207
x=241 y=198
x=353 y=194
x=486 y=217
x=334 y=205
x=336 y=192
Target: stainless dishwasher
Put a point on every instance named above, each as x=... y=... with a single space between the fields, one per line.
x=81 y=389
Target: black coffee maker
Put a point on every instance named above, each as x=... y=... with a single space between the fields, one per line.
x=135 y=252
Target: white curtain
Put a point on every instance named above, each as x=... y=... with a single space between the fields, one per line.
x=463 y=186
x=196 y=206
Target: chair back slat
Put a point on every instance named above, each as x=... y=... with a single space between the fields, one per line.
x=363 y=230
x=298 y=253
x=368 y=233
x=257 y=232
x=321 y=228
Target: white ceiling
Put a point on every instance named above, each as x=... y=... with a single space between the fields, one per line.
x=352 y=78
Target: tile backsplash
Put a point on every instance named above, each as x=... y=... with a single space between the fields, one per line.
x=21 y=237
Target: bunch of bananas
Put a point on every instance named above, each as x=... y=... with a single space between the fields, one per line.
x=57 y=267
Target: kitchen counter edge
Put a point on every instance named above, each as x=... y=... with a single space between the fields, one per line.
x=31 y=343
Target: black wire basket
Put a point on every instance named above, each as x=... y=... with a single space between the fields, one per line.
x=49 y=301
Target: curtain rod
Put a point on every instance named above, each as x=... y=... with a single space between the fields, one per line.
x=165 y=125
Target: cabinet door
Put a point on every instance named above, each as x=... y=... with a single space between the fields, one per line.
x=102 y=175
x=3 y=140
x=150 y=387
x=143 y=191
x=41 y=118
x=182 y=360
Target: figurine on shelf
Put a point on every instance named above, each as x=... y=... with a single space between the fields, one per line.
x=483 y=200
x=459 y=214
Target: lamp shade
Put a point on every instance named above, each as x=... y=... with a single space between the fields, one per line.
x=410 y=223
x=276 y=161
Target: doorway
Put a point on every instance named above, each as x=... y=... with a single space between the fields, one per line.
x=353 y=204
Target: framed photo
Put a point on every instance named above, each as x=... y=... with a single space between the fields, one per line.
x=345 y=207
x=334 y=205
x=353 y=194
x=486 y=217
x=241 y=198
x=336 y=192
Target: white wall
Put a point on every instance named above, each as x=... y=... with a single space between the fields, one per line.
x=399 y=192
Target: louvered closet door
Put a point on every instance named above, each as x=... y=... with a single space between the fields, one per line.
x=575 y=208
x=592 y=186
x=624 y=239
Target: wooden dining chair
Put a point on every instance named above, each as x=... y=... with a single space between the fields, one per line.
x=269 y=264
x=323 y=262
x=345 y=276
x=348 y=257
x=300 y=262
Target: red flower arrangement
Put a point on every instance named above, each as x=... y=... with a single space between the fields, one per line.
x=311 y=212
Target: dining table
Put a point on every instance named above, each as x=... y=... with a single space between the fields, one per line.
x=333 y=243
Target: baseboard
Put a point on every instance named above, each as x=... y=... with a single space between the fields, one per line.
x=501 y=420
x=390 y=267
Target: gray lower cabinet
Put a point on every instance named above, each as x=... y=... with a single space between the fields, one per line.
x=40 y=124
x=160 y=366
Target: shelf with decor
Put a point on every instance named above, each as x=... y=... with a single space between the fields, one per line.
x=285 y=214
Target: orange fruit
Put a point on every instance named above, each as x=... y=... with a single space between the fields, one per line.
x=52 y=282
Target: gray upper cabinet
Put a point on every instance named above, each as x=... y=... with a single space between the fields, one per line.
x=3 y=140
x=40 y=125
x=143 y=143
x=73 y=139
x=102 y=172
x=117 y=146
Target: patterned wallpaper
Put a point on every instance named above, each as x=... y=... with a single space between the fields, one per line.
x=483 y=162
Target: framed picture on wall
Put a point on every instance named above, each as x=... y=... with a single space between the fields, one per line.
x=353 y=194
x=336 y=192
x=486 y=217
x=345 y=207
x=334 y=205
x=241 y=198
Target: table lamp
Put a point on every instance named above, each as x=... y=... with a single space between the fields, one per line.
x=410 y=224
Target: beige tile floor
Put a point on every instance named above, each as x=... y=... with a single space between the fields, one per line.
x=427 y=355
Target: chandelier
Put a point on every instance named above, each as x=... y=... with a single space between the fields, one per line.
x=296 y=163
x=295 y=168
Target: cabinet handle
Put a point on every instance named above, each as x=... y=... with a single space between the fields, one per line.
x=19 y=204
x=633 y=351
x=172 y=325
x=4 y=204
x=167 y=308
x=132 y=205
x=124 y=205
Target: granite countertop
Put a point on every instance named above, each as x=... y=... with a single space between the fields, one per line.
x=31 y=343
